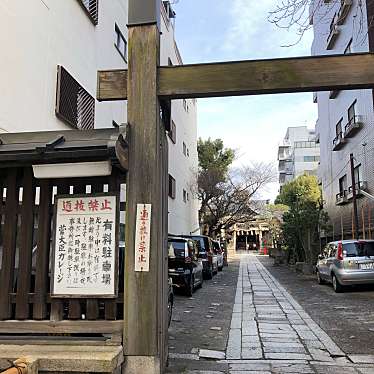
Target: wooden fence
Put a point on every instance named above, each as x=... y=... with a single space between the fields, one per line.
x=26 y=212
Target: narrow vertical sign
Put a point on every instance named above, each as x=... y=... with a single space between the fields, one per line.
x=142 y=236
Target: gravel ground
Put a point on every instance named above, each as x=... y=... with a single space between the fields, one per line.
x=348 y=318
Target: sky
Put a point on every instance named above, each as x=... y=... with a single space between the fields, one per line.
x=226 y=30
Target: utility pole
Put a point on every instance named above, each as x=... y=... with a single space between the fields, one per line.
x=354 y=197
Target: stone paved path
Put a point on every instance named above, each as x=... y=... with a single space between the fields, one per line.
x=271 y=333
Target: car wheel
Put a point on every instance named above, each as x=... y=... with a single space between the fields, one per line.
x=191 y=286
x=170 y=310
x=319 y=279
x=336 y=285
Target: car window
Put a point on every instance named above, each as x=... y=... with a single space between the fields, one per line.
x=201 y=243
x=333 y=248
x=326 y=251
x=352 y=250
x=368 y=248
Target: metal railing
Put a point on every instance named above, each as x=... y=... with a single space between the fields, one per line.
x=92 y=9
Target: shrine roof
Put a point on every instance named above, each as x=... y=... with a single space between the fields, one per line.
x=45 y=147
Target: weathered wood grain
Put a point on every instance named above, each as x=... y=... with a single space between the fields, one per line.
x=255 y=77
x=26 y=245
x=9 y=244
x=112 y=85
x=143 y=330
x=268 y=76
x=61 y=327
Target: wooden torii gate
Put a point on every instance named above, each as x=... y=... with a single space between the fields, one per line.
x=145 y=84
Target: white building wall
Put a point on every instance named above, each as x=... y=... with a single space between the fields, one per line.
x=335 y=164
x=183 y=215
x=38 y=35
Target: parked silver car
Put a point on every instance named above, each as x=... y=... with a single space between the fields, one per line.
x=346 y=263
x=218 y=251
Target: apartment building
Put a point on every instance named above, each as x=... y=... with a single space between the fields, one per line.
x=345 y=122
x=298 y=154
x=51 y=52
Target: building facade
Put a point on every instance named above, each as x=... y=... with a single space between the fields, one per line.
x=52 y=51
x=298 y=154
x=345 y=122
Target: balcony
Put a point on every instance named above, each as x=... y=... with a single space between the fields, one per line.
x=338 y=142
x=333 y=94
x=341 y=198
x=360 y=186
x=334 y=33
x=345 y=7
x=353 y=126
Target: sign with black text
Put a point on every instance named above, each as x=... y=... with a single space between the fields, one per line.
x=85 y=246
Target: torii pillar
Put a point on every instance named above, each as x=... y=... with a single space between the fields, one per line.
x=145 y=296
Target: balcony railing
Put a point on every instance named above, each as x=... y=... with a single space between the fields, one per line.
x=360 y=186
x=341 y=198
x=343 y=11
x=353 y=126
x=338 y=142
x=92 y=9
x=334 y=33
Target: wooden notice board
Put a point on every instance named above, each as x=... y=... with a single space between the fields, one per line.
x=85 y=247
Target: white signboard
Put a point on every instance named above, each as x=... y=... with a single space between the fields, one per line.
x=84 y=262
x=142 y=236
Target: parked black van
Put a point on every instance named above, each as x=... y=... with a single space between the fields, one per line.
x=185 y=266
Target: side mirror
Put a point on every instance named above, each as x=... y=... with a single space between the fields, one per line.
x=320 y=257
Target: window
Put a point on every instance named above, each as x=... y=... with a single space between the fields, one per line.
x=184 y=149
x=120 y=42
x=358 y=173
x=352 y=113
x=308 y=144
x=74 y=105
x=338 y=128
x=171 y=187
x=343 y=184
x=173 y=132
x=185 y=196
x=311 y=158
x=91 y=7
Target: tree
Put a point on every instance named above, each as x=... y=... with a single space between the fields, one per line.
x=273 y=215
x=296 y=14
x=304 y=219
x=214 y=163
x=231 y=201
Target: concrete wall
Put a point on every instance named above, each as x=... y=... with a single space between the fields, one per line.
x=335 y=164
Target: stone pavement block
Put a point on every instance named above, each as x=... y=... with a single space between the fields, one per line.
x=324 y=369
x=292 y=368
x=287 y=356
x=320 y=355
x=293 y=344
x=285 y=349
x=234 y=344
x=362 y=359
x=251 y=353
x=261 y=367
x=366 y=370
x=250 y=372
